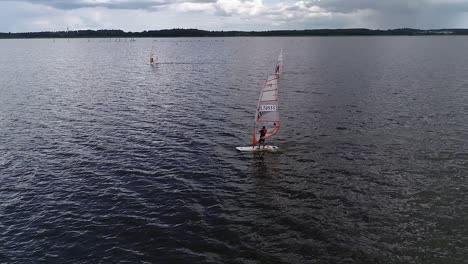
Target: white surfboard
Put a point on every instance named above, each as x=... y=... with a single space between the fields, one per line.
x=256 y=148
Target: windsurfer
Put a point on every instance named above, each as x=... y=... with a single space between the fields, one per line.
x=263 y=132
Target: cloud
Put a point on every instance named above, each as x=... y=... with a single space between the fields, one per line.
x=111 y=4
x=138 y=15
x=255 y=9
x=297 y=11
x=240 y=7
x=195 y=7
x=392 y=6
x=222 y=7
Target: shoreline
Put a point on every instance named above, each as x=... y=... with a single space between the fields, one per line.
x=186 y=33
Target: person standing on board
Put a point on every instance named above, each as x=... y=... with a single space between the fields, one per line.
x=277 y=69
x=263 y=132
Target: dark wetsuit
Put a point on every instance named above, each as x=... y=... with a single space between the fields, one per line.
x=262 y=135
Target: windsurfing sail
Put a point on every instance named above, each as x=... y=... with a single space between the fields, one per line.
x=152 y=58
x=267 y=114
x=279 y=64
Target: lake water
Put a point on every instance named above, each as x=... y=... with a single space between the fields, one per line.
x=105 y=158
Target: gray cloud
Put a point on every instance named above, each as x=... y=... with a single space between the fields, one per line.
x=390 y=13
x=111 y=4
x=19 y=15
x=335 y=6
x=396 y=7
x=343 y=6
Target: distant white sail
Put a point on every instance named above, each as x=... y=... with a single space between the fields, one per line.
x=279 y=64
x=153 y=59
x=267 y=113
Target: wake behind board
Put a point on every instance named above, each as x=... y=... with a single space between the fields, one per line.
x=256 y=148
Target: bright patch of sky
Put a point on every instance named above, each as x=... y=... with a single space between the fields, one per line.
x=139 y=15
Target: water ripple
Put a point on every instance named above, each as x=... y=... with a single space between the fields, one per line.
x=104 y=158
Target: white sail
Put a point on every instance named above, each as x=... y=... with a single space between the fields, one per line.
x=267 y=113
x=153 y=59
x=279 y=64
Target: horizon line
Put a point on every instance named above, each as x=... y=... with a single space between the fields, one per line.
x=192 y=32
x=243 y=31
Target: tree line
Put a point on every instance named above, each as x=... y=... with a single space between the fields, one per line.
x=178 y=32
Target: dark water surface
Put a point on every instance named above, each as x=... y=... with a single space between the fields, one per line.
x=105 y=159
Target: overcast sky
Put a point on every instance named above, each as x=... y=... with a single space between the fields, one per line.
x=139 y=15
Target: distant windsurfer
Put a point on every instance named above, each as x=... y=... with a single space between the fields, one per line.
x=277 y=69
x=263 y=132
